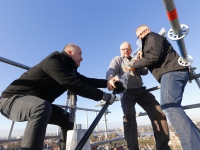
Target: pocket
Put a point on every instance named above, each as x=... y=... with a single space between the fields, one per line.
x=5 y=115
x=6 y=105
x=3 y=102
x=182 y=74
x=3 y=107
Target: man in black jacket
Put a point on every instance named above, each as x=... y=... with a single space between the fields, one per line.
x=161 y=59
x=30 y=97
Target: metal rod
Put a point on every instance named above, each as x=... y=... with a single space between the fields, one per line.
x=153 y=88
x=184 y=107
x=195 y=76
x=57 y=137
x=20 y=139
x=176 y=27
x=106 y=141
x=78 y=108
x=105 y=125
x=58 y=131
x=86 y=119
x=11 y=129
x=14 y=63
x=191 y=106
x=91 y=128
x=97 y=124
x=74 y=124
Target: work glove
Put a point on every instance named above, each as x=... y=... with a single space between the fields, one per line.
x=110 y=98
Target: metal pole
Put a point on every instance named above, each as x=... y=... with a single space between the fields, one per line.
x=58 y=130
x=177 y=33
x=176 y=27
x=74 y=124
x=196 y=77
x=14 y=63
x=184 y=107
x=105 y=125
x=172 y=16
x=11 y=129
x=91 y=128
x=97 y=124
x=86 y=119
x=153 y=88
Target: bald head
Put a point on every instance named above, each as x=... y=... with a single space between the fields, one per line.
x=75 y=52
x=72 y=47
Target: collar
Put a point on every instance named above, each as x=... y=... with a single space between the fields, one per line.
x=144 y=38
x=63 y=52
x=129 y=58
x=67 y=59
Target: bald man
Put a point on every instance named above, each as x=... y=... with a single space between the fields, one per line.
x=30 y=97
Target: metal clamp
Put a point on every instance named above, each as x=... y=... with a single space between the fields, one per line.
x=172 y=36
x=184 y=62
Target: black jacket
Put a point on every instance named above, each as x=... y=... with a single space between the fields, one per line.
x=158 y=56
x=52 y=77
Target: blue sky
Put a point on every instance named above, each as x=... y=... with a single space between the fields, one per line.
x=30 y=30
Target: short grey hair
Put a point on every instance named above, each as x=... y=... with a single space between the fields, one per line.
x=126 y=43
x=71 y=46
x=141 y=26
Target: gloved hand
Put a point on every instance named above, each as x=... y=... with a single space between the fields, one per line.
x=110 y=98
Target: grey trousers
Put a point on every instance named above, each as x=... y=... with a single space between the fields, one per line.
x=38 y=113
x=158 y=119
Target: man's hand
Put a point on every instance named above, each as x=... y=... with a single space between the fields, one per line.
x=129 y=69
x=139 y=54
x=135 y=58
x=111 y=83
x=110 y=98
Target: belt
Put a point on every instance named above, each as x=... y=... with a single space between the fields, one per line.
x=184 y=70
